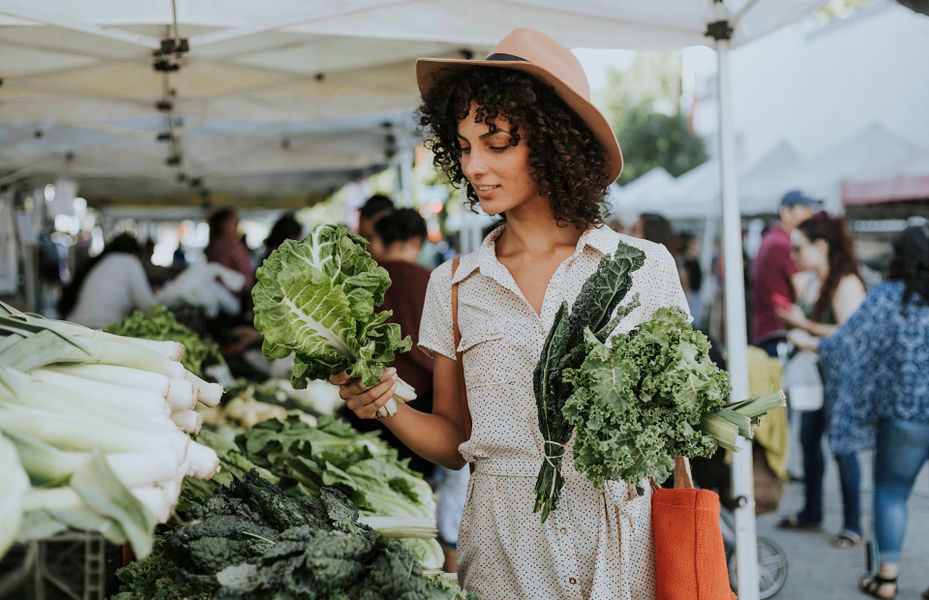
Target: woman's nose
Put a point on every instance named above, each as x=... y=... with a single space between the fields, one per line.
x=473 y=165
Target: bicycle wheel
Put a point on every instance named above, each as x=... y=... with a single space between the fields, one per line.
x=772 y=569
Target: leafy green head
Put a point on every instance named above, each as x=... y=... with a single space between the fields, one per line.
x=316 y=298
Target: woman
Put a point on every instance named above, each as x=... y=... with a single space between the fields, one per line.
x=227 y=248
x=109 y=287
x=519 y=132
x=823 y=246
x=882 y=352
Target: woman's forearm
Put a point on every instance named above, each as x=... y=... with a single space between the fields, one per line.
x=432 y=436
x=820 y=330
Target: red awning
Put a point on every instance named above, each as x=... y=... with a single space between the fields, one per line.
x=902 y=182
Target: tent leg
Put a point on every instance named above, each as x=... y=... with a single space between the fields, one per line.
x=736 y=336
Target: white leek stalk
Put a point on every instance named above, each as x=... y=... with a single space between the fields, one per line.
x=207 y=393
x=12 y=493
x=188 y=421
x=202 y=461
x=124 y=376
x=113 y=395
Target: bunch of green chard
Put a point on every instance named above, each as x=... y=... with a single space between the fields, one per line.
x=94 y=430
x=593 y=310
x=651 y=395
x=250 y=540
x=392 y=499
x=316 y=299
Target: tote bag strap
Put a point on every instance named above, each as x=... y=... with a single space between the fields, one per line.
x=682 y=476
x=456 y=333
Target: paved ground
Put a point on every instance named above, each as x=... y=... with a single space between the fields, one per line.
x=819 y=572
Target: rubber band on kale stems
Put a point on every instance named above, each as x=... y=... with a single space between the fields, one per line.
x=564 y=348
x=316 y=299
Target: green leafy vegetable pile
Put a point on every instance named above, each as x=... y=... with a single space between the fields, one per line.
x=316 y=299
x=649 y=396
x=361 y=465
x=158 y=323
x=564 y=349
x=251 y=540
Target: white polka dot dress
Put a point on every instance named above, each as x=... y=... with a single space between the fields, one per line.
x=597 y=544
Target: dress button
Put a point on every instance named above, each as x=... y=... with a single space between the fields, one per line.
x=573 y=581
x=563 y=531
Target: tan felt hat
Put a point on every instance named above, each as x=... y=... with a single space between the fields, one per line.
x=546 y=59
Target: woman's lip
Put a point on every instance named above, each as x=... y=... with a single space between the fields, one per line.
x=485 y=193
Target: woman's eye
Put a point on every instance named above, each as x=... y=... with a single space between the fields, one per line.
x=465 y=150
x=499 y=148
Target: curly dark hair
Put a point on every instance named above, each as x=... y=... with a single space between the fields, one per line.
x=842 y=258
x=910 y=264
x=565 y=159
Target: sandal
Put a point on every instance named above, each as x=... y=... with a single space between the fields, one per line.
x=847 y=539
x=794 y=522
x=872 y=584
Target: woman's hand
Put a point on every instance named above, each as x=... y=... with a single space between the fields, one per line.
x=793 y=315
x=803 y=340
x=365 y=402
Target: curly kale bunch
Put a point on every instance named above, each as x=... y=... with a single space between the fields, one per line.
x=642 y=399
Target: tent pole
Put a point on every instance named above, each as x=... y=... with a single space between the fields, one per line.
x=736 y=336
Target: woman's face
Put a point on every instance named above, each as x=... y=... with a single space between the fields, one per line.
x=498 y=171
x=809 y=255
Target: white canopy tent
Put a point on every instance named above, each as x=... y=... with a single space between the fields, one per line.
x=872 y=149
x=83 y=69
x=642 y=195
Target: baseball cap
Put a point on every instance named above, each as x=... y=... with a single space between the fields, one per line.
x=798 y=198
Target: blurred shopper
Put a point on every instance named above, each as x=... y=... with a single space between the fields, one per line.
x=105 y=289
x=227 y=248
x=689 y=260
x=823 y=246
x=882 y=353
x=287 y=227
x=374 y=209
x=655 y=228
x=774 y=272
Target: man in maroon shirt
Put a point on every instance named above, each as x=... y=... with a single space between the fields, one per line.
x=401 y=235
x=773 y=272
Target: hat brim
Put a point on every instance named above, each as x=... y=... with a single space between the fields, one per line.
x=430 y=70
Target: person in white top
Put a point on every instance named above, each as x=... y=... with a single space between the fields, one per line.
x=518 y=132
x=109 y=286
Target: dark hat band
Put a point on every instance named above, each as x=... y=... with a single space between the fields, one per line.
x=502 y=56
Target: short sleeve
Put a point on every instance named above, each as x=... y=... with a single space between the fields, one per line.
x=435 y=327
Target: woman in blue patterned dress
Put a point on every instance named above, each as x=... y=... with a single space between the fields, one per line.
x=882 y=354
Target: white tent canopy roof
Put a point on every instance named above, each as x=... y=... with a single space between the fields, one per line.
x=323 y=76
x=867 y=154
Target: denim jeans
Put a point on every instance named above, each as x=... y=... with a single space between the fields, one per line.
x=812 y=428
x=902 y=448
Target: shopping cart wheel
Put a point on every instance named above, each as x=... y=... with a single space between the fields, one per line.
x=772 y=569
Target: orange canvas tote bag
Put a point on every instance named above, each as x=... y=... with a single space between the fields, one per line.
x=690 y=560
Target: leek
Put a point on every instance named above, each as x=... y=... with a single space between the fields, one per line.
x=12 y=493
